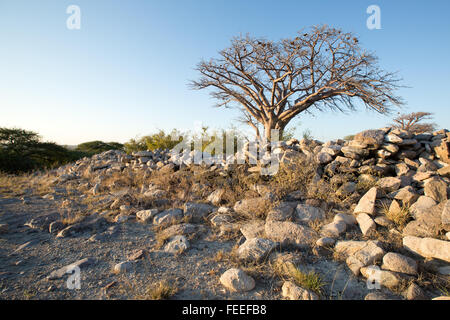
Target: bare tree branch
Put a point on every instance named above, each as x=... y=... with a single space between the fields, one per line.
x=273 y=82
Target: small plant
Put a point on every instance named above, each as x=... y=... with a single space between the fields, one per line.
x=311 y=280
x=308 y=280
x=161 y=291
x=400 y=217
x=221 y=255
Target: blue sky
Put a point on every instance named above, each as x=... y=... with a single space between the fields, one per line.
x=125 y=72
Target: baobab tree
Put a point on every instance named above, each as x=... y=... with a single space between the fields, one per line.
x=413 y=122
x=272 y=82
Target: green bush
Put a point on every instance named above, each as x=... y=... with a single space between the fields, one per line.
x=159 y=140
x=162 y=140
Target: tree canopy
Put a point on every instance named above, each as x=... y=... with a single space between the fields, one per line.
x=272 y=82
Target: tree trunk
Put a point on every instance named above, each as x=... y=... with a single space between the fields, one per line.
x=269 y=126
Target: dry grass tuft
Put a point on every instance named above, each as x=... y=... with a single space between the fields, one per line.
x=398 y=217
x=163 y=290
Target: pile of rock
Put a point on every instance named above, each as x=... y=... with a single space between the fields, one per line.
x=409 y=173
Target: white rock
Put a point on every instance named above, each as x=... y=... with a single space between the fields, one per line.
x=146 y=215
x=167 y=217
x=294 y=292
x=359 y=253
x=306 y=213
x=288 y=233
x=255 y=249
x=123 y=267
x=237 y=280
x=399 y=263
x=366 y=224
x=384 y=278
x=325 y=242
x=367 y=203
x=334 y=229
x=177 y=244
x=428 y=247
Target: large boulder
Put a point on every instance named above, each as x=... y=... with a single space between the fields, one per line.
x=367 y=203
x=436 y=189
x=252 y=207
x=428 y=247
x=290 y=234
x=293 y=292
x=197 y=212
x=445 y=216
x=359 y=253
x=366 y=223
x=370 y=137
x=399 y=263
x=307 y=213
x=253 y=229
x=255 y=249
x=168 y=217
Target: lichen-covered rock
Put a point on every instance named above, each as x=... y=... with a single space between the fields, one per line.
x=177 y=244
x=288 y=233
x=306 y=213
x=197 y=212
x=252 y=207
x=168 y=217
x=146 y=215
x=255 y=249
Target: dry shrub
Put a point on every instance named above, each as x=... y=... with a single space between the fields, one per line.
x=163 y=290
x=297 y=175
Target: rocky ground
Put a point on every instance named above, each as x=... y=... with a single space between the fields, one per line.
x=362 y=219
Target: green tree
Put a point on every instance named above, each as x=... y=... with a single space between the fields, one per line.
x=22 y=151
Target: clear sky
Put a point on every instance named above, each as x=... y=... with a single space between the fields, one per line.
x=125 y=72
